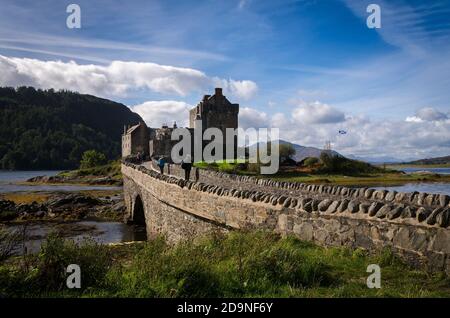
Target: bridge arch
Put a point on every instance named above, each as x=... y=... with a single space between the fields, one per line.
x=138 y=215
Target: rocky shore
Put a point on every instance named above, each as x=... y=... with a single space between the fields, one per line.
x=90 y=180
x=64 y=206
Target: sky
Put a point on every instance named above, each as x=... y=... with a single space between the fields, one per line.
x=307 y=67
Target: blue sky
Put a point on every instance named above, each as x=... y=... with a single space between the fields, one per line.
x=309 y=67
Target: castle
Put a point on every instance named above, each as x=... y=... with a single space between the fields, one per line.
x=213 y=111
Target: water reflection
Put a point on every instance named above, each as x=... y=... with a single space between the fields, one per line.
x=103 y=232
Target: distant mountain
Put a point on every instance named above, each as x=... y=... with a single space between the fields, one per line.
x=302 y=152
x=45 y=129
x=431 y=161
x=375 y=160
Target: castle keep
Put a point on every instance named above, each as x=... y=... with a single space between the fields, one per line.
x=214 y=111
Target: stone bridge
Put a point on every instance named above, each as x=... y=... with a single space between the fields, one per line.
x=413 y=225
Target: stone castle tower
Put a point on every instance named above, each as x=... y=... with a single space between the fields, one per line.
x=215 y=111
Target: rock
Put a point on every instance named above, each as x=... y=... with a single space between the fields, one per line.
x=429 y=200
x=364 y=208
x=343 y=206
x=374 y=207
x=395 y=213
x=315 y=204
x=308 y=207
x=400 y=197
x=323 y=206
x=368 y=193
x=421 y=198
x=287 y=203
x=408 y=212
x=353 y=206
x=390 y=196
x=443 y=219
x=281 y=199
x=119 y=207
x=412 y=196
x=444 y=200
x=71 y=200
x=431 y=220
x=379 y=194
x=294 y=203
x=422 y=214
x=382 y=213
x=40 y=214
x=333 y=207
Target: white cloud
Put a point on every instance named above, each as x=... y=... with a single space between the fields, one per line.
x=243 y=3
x=244 y=90
x=156 y=113
x=430 y=114
x=317 y=113
x=252 y=118
x=115 y=79
x=365 y=137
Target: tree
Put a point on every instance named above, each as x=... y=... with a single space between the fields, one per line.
x=286 y=152
x=92 y=158
x=310 y=161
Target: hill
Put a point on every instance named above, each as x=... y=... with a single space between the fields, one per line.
x=375 y=160
x=47 y=129
x=431 y=161
x=302 y=152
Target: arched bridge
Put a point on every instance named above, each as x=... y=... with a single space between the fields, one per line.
x=414 y=225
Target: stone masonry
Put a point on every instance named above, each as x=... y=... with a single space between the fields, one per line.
x=414 y=225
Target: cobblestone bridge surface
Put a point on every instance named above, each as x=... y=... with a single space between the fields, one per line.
x=414 y=225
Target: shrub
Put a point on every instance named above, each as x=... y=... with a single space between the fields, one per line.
x=10 y=242
x=92 y=158
x=56 y=254
x=310 y=161
x=338 y=164
x=286 y=152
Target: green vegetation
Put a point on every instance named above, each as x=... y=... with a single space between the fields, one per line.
x=252 y=264
x=229 y=166
x=91 y=159
x=286 y=152
x=112 y=170
x=431 y=161
x=425 y=166
x=333 y=164
x=328 y=169
x=45 y=129
x=311 y=161
x=370 y=179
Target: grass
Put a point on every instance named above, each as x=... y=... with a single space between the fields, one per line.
x=230 y=166
x=111 y=169
x=306 y=175
x=424 y=166
x=26 y=197
x=251 y=264
x=372 y=179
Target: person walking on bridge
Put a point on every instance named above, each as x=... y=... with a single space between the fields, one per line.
x=186 y=165
x=161 y=164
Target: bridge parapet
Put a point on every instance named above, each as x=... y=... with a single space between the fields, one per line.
x=328 y=215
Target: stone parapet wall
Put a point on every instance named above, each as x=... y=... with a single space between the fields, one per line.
x=323 y=214
x=432 y=209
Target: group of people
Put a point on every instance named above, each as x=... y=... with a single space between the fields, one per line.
x=186 y=165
